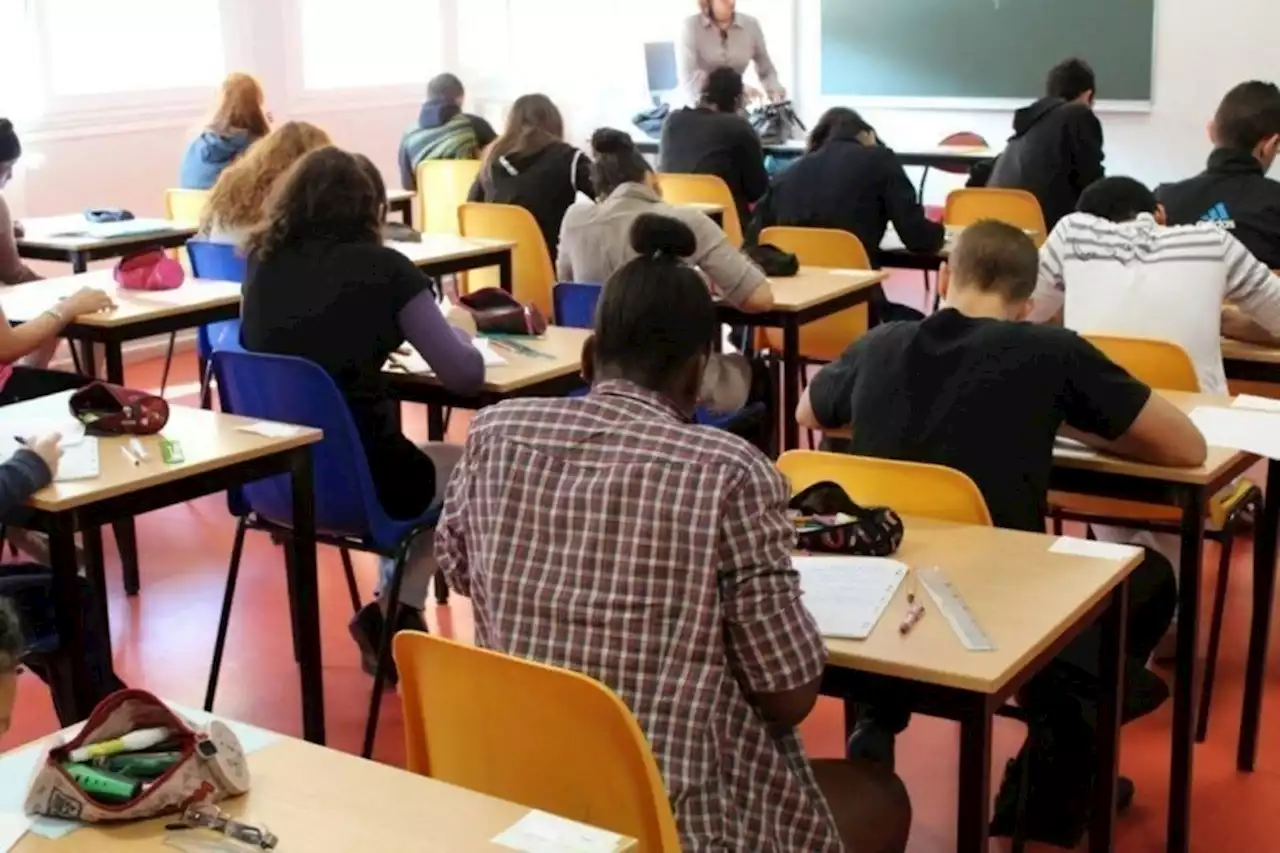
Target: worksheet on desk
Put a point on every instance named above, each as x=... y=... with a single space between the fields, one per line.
x=848 y=595
x=413 y=362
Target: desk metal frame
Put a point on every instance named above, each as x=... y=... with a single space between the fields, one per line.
x=500 y=258
x=81 y=258
x=975 y=711
x=417 y=389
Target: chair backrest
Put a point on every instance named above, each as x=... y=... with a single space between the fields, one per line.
x=531 y=268
x=1016 y=207
x=216 y=261
x=442 y=187
x=703 y=189
x=185 y=206
x=568 y=745
x=1160 y=364
x=296 y=391
x=825 y=339
x=909 y=488
x=575 y=304
x=962 y=139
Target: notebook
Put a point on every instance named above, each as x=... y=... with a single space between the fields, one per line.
x=413 y=362
x=79 y=457
x=848 y=595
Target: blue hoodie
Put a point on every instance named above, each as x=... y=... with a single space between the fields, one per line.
x=206 y=157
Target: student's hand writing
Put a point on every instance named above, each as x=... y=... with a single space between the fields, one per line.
x=46 y=447
x=87 y=300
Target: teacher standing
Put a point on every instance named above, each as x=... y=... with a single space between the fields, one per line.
x=720 y=36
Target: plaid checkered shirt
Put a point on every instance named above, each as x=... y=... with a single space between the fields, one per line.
x=606 y=535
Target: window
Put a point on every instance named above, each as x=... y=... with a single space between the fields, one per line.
x=369 y=43
x=97 y=47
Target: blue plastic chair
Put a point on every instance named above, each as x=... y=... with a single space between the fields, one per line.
x=214 y=262
x=574 y=304
x=348 y=514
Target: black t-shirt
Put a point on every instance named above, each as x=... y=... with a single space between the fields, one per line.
x=705 y=142
x=337 y=305
x=985 y=397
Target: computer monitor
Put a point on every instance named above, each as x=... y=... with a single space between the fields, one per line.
x=660 y=64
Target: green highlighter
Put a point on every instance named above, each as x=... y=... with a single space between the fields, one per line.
x=139 y=765
x=103 y=785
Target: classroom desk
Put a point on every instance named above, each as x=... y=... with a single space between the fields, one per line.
x=813 y=294
x=1251 y=362
x=323 y=801
x=1087 y=472
x=937 y=156
x=43 y=241
x=1000 y=574
x=218 y=456
x=401 y=202
x=444 y=254
x=714 y=212
x=894 y=255
x=139 y=314
x=522 y=376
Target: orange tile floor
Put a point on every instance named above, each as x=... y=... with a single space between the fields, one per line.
x=164 y=638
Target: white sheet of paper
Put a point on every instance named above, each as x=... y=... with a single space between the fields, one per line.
x=539 y=832
x=12 y=828
x=271 y=429
x=1071 y=444
x=70 y=429
x=79 y=460
x=1249 y=401
x=1250 y=430
x=848 y=595
x=1090 y=548
x=413 y=362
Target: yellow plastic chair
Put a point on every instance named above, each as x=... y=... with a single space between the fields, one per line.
x=703 y=189
x=1160 y=364
x=186 y=206
x=822 y=341
x=910 y=488
x=531 y=270
x=442 y=188
x=1016 y=207
x=543 y=737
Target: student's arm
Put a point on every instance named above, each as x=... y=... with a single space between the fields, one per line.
x=485 y=134
x=1107 y=408
x=19 y=341
x=26 y=473
x=827 y=403
x=918 y=232
x=774 y=648
x=582 y=174
x=1240 y=328
x=451 y=533
x=755 y=177
x=1085 y=146
x=735 y=277
x=1051 y=288
x=1252 y=287
x=458 y=364
x=12 y=269
x=765 y=69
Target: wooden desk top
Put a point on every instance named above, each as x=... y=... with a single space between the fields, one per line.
x=521 y=371
x=1241 y=351
x=74 y=233
x=321 y=801
x=816 y=285
x=436 y=248
x=210 y=440
x=704 y=207
x=1022 y=595
x=27 y=301
x=1219 y=458
x=394 y=195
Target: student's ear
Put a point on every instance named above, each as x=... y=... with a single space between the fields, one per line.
x=1212 y=129
x=944 y=282
x=1024 y=310
x=1088 y=98
x=1266 y=151
x=589 y=359
x=1162 y=216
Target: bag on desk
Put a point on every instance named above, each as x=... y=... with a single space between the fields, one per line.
x=107 y=214
x=107 y=409
x=497 y=312
x=774 y=262
x=776 y=123
x=152 y=270
x=828 y=521
x=211 y=768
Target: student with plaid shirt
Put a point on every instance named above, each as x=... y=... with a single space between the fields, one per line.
x=611 y=536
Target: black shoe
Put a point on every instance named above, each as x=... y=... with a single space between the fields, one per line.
x=1144 y=692
x=1048 y=818
x=872 y=743
x=366 y=629
x=1125 y=791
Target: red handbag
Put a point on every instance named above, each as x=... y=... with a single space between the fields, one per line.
x=153 y=270
x=107 y=409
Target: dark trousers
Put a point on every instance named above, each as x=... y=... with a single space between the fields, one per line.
x=28 y=383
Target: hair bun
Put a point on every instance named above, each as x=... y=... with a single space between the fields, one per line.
x=606 y=140
x=6 y=126
x=653 y=235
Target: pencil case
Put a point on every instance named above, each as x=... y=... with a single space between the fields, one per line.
x=828 y=521
x=498 y=312
x=210 y=768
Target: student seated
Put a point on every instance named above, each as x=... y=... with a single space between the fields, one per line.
x=714 y=139
x=595 y=240
x=322 y=286
x=849 y=181
x=974 y=389
x=12 y=269
x=1056 y=147
x=530 y=165
x=1234 y=192
x=239 y=198
x=608 y=535
x=239 y=120
x=443 y=131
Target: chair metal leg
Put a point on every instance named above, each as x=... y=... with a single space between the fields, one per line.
x=232 y=573
x=441 y=587
x=350 y=571
x=168 y=362
x=1215 y=633
x=384 y=647
x=206 y=386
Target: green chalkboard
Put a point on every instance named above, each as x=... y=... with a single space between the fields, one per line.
x=983 y=48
